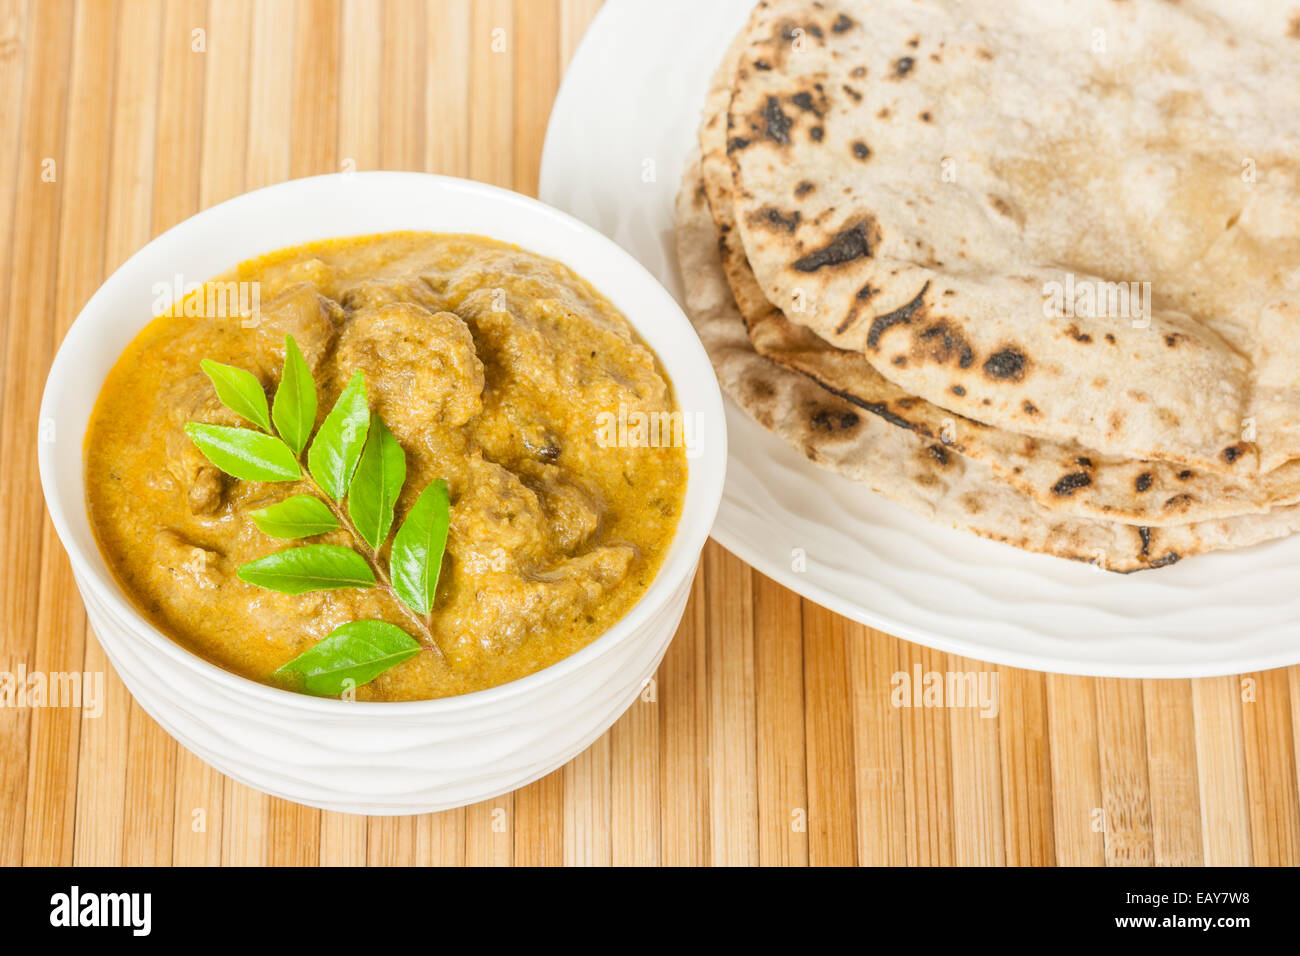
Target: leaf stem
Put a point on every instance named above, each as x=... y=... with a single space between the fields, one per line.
x=422 y=625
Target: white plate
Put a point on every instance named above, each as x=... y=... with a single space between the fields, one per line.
x=619 y=133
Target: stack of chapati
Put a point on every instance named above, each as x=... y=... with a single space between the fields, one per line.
x=1031 y=269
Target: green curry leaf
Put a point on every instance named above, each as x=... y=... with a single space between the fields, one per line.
x=354 y=456
x=419 y=545
x=337 y=446
x=240 y=391
x=313 y=567
x=376 y=483
x=352 y=654
x=298 y=517
x=294 y=408
x=244 y=453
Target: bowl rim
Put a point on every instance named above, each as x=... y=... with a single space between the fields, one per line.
x=704 y=483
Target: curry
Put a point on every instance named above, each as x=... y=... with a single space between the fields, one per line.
x=491 y=366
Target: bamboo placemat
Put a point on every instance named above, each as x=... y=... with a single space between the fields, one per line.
x=771 y=737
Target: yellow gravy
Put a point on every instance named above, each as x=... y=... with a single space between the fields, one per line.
x=496 y=369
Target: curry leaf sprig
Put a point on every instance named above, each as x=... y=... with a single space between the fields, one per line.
x=355 y=470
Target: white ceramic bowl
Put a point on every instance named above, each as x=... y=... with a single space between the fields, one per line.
x=382 y=758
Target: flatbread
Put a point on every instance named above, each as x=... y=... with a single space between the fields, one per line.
x=914 y=181
x=899 y=464
x=1062 y=476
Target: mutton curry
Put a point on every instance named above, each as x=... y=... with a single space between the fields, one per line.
x=492 y=368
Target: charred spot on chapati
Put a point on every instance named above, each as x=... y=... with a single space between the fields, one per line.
x=1007 y=365
x=902 y=315
x=845 y=246
x=941 y=342
x=879 y=409
x=804 y=101
x=1069 y=484
x=773 y=217
x=830 y=421
x=776 y=122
